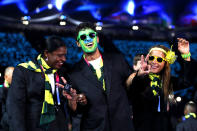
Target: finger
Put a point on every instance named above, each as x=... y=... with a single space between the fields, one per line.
x=186 y=42
x=149 y=68
x=59 y=85
x=66 y=95
x=73 y=91
x=147 y=57
x=64 y=80
x=179 y=38
x=146 y=72
x=142 y=60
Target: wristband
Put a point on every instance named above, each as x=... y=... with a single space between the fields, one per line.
x=185 y=56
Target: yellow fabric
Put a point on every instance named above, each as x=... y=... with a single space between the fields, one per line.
x=159 y=49
x=48 y=97
x=190 y=114
x=154 y=84
x=99 y=73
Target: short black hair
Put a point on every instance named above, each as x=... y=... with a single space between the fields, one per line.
x=52 y=43
x=84 y=25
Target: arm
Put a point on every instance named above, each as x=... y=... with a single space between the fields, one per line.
x=189 y=64
x=183 y=47
x=130 y=79
x=143 y=69
x=16 y=101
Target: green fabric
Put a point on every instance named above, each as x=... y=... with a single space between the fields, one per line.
x=48 y=108
x=155 y=84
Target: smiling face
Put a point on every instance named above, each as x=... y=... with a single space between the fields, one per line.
x=87 y=40
x=56 y=58
x=156 y=67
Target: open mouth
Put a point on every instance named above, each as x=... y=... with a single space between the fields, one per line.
x=154 y=67
x=60 y=63
x=89 y=45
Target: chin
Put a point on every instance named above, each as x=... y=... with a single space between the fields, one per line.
x=155 y=71
x=57 y=67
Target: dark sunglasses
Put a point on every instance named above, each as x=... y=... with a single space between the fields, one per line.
x=159 y=59
x=84 y=36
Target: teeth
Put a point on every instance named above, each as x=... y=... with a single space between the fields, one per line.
x=89 y=44
x=154 y=67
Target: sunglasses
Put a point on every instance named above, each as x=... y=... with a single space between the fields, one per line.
x=159 y=59
x=84 y=36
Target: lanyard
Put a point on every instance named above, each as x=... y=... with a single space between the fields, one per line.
x=158 y=108
x=57 y=89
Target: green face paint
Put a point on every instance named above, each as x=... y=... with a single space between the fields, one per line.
x=88 y=40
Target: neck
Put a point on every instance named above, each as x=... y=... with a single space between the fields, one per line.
x=92 y=56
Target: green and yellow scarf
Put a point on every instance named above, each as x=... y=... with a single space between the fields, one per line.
x=48 y=108
x=98 y=72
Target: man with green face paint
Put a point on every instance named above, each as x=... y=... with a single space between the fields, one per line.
x=101 y=78
x=87 y=40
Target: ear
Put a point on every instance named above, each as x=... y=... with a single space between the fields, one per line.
x=45 y=54
x=78 y=44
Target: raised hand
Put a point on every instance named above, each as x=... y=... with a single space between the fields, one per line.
x=183 y=46
x=71 y=95
x=145 y=68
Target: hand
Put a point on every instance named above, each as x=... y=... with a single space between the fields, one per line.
x=183 y=46
x=145 y=68
x=81 y=99
x=72 y=96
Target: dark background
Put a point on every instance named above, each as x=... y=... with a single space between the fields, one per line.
x=157 y=21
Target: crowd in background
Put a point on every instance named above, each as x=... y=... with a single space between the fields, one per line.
x=101 y=92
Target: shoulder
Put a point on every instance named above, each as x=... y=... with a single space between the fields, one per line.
x=21 y=70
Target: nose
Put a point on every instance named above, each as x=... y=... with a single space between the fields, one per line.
x=88 y=39
x=155 y=60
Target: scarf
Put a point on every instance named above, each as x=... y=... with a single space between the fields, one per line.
x=190 y=115
x=6 y=84
x=155 y=84
x=97 y=72
x=48 y=108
